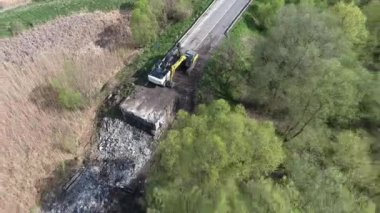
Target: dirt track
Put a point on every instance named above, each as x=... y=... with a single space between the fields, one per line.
x=29 y=153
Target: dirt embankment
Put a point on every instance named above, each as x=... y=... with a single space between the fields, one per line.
x=32 y=126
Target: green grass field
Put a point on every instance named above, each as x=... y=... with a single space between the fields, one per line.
x=40 y=12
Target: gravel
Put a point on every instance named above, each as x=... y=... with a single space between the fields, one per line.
x=103 y=185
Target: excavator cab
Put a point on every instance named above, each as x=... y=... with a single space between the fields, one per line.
x=191 y=60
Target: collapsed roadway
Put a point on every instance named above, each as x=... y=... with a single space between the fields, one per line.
x=125 y=144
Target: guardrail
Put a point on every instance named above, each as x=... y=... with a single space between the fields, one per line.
x=237 y=18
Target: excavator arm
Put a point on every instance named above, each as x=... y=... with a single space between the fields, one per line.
x=175 y=66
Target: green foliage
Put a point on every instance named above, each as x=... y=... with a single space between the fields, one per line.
x=346 y=151
x=149 y=17
x=144 y=25
x=324 y=189
x=370 y=105
x=226 y=73
x=70 y=99
x=268 y=196
x=331 y=170
x=372 y=49
x=205 y=150
x=16 y=27
x=67 y=86
x=226 y=80
x=40 y=12
x=353 y=22
x=305 y=71
x=266 y=10
x=305 y=74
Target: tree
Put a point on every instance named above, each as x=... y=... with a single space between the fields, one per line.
x=324 y=189
x=266 y=10
x=322 y=160
x=206 y=154
x=353 y=22
x=305 y=71
x=144 y=24
x=226 y=73
x=370 y=105
x=372 y=49
x=351 y=153
x=268 y=196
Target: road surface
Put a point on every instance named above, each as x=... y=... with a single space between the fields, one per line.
x=213 y=24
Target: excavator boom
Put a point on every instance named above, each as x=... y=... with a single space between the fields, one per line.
x=175 y=66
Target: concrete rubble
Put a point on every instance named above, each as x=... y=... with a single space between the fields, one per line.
x=101 y=186
x=150 y=109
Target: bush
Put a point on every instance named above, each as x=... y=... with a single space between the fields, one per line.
x=144 y=23
x=148 y=17
x=72 y=87
x=16 y=27
x=70 y=99
x=179 y=10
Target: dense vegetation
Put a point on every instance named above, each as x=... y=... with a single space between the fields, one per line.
x=155 y=15
x=309 y=71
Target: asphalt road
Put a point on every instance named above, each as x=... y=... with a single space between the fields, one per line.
x=213 y=24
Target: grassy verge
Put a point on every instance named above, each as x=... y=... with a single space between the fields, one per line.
x=40 y=12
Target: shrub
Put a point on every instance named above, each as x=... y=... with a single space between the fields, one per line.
x=129 y=4
x=16 y=27
x=70 y=99
x=179 y=10
x=144 y=24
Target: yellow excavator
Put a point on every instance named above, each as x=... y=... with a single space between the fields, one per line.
x=163 y=72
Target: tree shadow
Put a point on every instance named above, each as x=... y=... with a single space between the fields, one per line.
x=126 y=7
x=250 y=20
x=46 y=98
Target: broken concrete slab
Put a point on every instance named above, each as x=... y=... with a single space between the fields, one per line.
x=150 y=109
